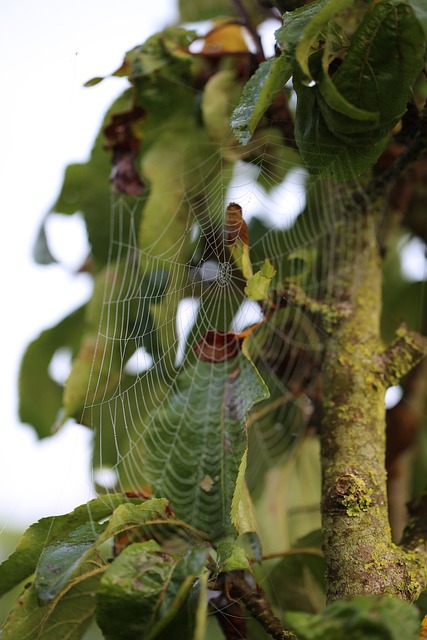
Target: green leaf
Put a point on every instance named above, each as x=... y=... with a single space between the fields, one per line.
x=164 y=55
x=386 y=55
x=420 y=9
x=324 y=154
x=258 y=94
x=232 y=557
x=201 y=617
x=193 y=446
x=191 y=619
x=137 y=516
x=63 y=557
x=23 y=561
x=251 y=543
x=290 y=491
x=365 y=120
x=221 y=93
x=59 y=560
x=40 y=397
x=118 y=448
x=86 y=189
x=150 y=519
x=193 y=11
x=65 y=618
x=258 y=285
x=309 y=40
x=144 y=588
x=171 y=166
x=370 y=618
x=198 y=10
x=97 y=371
x=299 y=582
x=41 y=250
x=242 y=512
x=342 y=123
x=93 y=81
x=295 y=23
x=162 y=64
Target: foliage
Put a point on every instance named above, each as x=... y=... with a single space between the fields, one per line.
x=200 y=442
x=361 y=618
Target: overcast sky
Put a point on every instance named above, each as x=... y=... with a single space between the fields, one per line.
x=48 y=119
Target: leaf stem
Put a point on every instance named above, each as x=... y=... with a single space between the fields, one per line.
x=292 y=552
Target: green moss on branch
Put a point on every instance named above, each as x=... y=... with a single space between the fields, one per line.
x=359 y=553
x=402 y=356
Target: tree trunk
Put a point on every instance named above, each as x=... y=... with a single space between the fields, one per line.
x=360 y=556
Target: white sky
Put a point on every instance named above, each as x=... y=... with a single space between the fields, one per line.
x=47 y=120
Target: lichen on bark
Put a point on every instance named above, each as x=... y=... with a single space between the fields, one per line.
x=359 y=553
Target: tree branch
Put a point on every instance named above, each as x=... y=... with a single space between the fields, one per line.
x=330 y=314
x=255 y=601
x=402 y=355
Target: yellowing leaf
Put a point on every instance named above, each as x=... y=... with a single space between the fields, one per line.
x=221 y=91
x=258 y=285
x=225 y=37
x=242 y=513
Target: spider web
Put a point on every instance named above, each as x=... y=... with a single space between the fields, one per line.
x=157 y=308
x=148 y=390
x=174 y=343
x=170 y=309
x=167 y=320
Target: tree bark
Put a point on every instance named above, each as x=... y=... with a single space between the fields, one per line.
x=359 y=553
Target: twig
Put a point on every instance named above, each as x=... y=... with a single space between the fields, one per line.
x=255 y=601
x=403 y=354
x=313 y=551
x=247 y=22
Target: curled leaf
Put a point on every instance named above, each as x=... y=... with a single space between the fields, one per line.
x=237 y=239
x=235 y=227
x=311 y=35
x=218 y=346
